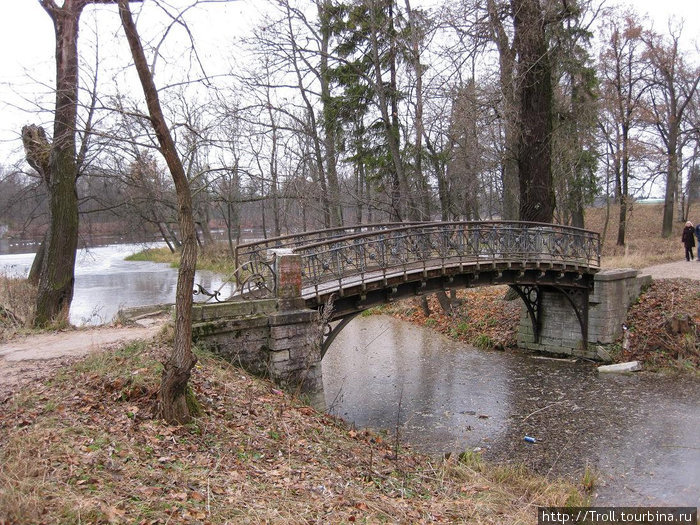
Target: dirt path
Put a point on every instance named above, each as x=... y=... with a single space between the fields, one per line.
x=34 y=357
x=681 y=270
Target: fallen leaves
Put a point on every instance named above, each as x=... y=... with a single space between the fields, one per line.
x=481 y=316
x=254 y=454
x=650 y=341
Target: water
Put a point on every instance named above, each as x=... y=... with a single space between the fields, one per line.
x=640 y=433
x=105 y=282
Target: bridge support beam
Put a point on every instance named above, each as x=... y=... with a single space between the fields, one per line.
x=574 y=320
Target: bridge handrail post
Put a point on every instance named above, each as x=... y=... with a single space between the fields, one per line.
x=287 y=276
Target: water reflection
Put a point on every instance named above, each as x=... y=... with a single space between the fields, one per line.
x=639 y=432
x=105 y=282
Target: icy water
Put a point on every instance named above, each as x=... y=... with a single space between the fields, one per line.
x=105 y=282
x=640 y=433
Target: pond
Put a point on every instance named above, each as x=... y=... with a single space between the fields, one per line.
x=639 y=433
x=105 y=282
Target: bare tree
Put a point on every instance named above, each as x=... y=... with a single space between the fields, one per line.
x=623 y=86
x=674 y=85
x=176 y=373
x=56 y=277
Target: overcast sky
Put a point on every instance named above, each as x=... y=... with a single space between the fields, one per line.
x=27 y=43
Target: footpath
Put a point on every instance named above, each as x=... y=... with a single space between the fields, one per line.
x=34 y=357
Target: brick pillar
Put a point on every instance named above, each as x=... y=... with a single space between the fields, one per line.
x=294 y=343
x=288 y=274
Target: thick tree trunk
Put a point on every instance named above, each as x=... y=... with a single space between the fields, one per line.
x=671 y=180
x=176 y=373
x=535 y=146
x=56 y=278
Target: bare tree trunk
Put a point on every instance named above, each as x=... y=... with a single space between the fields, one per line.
x=535 y=120
x=623 y=189
x=671 y=178
x=164 y=234
x=176 y=373
x=56 y=278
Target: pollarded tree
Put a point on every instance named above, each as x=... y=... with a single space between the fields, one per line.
x=56 y=277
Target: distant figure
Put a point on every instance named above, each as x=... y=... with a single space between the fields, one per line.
x=688 y=240
x=697 y=234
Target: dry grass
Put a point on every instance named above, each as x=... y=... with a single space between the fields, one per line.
x=644 y=244
x=82 y=448
x=16 y=305
x=215 y=258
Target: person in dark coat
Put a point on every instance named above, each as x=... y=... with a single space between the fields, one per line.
x=697 y=234
x=688 y=239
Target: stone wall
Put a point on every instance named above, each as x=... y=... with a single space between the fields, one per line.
x=277 y=338
x=613 y=292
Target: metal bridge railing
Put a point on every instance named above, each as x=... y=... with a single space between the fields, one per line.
x=368 y=252
x=410 y=249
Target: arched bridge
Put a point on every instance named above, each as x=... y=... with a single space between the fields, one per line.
x=355 y=268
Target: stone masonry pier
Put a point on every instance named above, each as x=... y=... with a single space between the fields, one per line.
x=277 y=338
x=613 y=292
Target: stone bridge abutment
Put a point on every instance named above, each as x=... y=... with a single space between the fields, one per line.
x=613 y=292
x=279 y=338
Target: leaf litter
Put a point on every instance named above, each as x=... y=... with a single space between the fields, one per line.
x=82 y=447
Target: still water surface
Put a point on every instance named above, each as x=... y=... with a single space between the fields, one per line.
x=641 y=432
x=105 y=282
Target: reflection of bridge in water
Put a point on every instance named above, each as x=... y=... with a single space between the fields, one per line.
x=271 y=324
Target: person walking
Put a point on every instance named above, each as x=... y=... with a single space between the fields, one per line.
x=688 y=240
x=697 y=234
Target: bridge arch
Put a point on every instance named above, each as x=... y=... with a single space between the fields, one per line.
x=358 y=267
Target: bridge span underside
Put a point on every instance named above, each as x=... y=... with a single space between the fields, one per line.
x=530 y=281
x=355 y=268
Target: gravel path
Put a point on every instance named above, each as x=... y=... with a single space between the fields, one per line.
x=681 y=269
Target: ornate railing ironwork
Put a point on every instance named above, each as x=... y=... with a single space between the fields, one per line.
x=257 y=250
x=376 y=251
x=410 y=249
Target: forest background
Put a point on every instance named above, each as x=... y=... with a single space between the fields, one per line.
x=301 y=115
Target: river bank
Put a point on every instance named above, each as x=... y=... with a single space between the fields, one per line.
x=253 y=454
x=482 y=317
